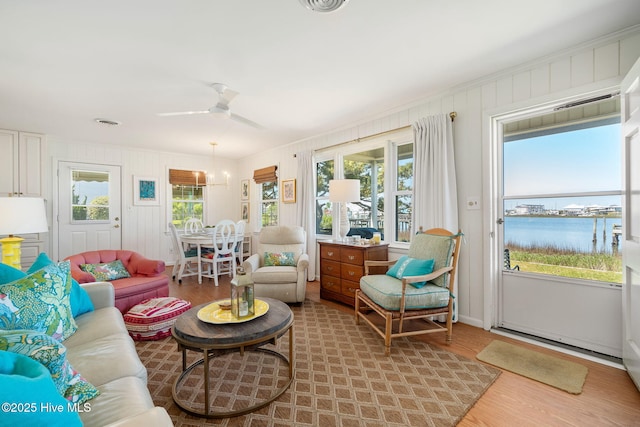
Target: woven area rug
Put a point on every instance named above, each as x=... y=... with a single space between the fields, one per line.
x=559 y=373
x=342 y=378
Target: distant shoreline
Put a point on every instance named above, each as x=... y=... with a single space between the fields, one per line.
x=564 y=216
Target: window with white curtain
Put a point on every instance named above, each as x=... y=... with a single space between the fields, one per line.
x=384 y=167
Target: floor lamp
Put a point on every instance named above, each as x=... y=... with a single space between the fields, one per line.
x=19 y=215
x=343 y=191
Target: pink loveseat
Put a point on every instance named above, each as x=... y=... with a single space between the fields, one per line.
x=147 y=276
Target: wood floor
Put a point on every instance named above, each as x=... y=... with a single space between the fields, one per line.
x=609 y=397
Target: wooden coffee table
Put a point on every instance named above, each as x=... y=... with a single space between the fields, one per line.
x=214 y=340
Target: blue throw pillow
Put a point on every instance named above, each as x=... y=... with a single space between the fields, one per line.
x=407 y=266
x=80 y=300
x=27 y=387
x=10 y=274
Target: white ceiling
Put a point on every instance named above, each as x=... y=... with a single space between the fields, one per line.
x=298 y=73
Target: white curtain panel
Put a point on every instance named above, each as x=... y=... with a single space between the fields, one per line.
x=306 y=207
x=435 y=194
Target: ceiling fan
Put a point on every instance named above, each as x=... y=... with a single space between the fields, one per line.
x=221 y=109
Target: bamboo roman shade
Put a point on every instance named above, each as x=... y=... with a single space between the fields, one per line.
x=187 y=177
x=267 y=174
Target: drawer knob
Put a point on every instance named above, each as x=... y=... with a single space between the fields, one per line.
x=330 y=253
x=329 y=268
x=351 y=257
x=351 y=273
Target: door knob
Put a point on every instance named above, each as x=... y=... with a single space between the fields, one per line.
x=116 y=226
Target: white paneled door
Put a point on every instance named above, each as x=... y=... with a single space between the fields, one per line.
x=630 y=92
x=89 y=208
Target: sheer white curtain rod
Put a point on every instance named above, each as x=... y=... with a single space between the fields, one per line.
x=452 y=115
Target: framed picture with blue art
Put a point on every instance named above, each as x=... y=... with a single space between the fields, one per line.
x=145 y=191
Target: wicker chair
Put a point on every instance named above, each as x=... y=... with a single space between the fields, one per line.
x=419 y=286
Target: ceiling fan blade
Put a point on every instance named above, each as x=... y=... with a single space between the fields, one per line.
x=246 y=121
x=183 y=113
x=225 y=95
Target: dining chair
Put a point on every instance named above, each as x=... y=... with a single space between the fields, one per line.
x=239 y=249
x=184 y=260
x=193 y=226
x=419 y=286
x=222 y=260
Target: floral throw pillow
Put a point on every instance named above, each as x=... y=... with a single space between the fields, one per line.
x=108 y=271
x=40 y=301
x=279 y=258
x=53 y=355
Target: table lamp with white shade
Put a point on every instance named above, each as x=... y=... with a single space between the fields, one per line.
x=19 y=215
x=343 y=191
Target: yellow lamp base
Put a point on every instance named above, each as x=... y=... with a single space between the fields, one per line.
x=11 y=251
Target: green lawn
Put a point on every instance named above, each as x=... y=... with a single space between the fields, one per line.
x=597 y=266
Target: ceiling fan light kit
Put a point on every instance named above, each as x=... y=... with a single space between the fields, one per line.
x=323 y=6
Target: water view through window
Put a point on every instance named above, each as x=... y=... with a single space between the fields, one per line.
x=562 y=201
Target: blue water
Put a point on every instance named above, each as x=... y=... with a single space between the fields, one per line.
x=564 y=232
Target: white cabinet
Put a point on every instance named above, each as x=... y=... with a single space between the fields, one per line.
x=21 y=167
x=21 y=163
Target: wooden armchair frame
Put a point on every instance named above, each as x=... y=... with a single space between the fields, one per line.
x=364 y=305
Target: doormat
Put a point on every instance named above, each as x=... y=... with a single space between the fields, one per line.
x=550 y=370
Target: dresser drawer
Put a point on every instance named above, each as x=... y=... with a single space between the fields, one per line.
x=330 y=252
x=351 y=272
x=352 y=256
x=331 y=268
x=330 y=283
x=349 y=288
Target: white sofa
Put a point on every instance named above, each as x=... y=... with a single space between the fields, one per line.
x=104 y=353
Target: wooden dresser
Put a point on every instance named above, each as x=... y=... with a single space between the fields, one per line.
x=342 y=266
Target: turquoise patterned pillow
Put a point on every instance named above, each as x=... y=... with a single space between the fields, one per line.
x=279 y=258
x=109 y=271
x=52 y=354
x=40 y=301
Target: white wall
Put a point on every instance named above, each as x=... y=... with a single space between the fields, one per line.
x=144 y=227
x=592 y=66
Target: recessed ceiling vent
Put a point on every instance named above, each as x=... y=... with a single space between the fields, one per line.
x=108 y=122
x=323 y=6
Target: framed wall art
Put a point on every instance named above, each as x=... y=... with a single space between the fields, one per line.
x=244 y=189
x=288 y=190
x=244 y=211
x=145 y=191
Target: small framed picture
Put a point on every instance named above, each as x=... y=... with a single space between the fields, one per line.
x=244 y=189
x=244 y=211
x=145 y=191
x=289 y=190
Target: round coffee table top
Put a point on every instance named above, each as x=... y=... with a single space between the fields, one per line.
x=191 y=331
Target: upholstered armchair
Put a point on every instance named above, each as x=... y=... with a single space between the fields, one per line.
x=279 y=266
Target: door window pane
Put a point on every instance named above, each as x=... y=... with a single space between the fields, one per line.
x=570 y=224
x=89 y=196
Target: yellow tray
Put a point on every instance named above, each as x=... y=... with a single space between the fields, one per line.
x=212 y=313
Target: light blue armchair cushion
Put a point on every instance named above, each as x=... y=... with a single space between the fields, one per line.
x=386 y=291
